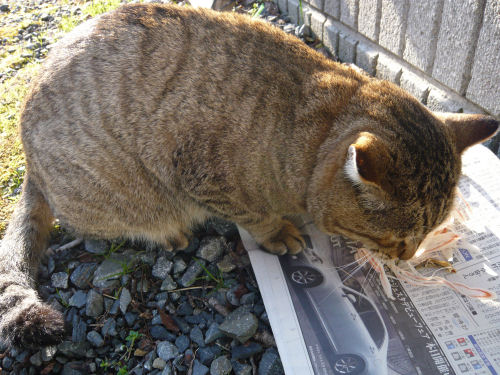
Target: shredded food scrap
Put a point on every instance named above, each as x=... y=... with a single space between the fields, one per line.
x=438 y=244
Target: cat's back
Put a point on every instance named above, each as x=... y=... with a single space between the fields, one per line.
x=142 y=67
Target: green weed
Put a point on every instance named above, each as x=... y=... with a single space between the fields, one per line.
x=68 y=23
x=62 y=300
x=257 y=10
x=209 y=276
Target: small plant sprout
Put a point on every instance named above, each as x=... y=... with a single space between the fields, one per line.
x=132 y=336
x=219 y=279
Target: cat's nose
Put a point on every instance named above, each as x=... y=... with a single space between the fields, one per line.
x=404 y=250
x=408 y=250
x=407 y=253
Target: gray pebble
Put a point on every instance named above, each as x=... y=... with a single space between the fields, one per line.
x=221 y=366
x=194 y=242
x=95 y=304
x=240 y=324
x=184 y=309
x=51 y=264
x=109 y=327
x=82 y=275
x=79 y=330
x=46 y=17
x=168 y=283
x=179 y=265
x=95 y=339
x=226 y=264
x=245 y=351
x=192 y=272
x=72 y=349
x=142 y=286
x=148 y=257
x=231 y=296
x=197 y=336
x=181 y=323
x=22 y=356
x=205 y=355
x=36 y=359
x=7 y=363
x=159 y=332
x=73 y=368
x=130 y=318
x=48 y=353
x=199 y=369
x=182 y=343
x=270 y=363
x=156 y=320
x=213 y=333
x=241 y=369
x=166 y=350
x=162 y=268
x=112 y=269
x=289 y=28
x=148 y=360
x=174 y=296
x=59 y=280
x=125 y=279
x=211 y=248
x=223 y=227
x=115 y=307
x=159 y=363
x=125 y=299
x=96 y=246
x=108 y=303
x=248 y=299
x=78 y=299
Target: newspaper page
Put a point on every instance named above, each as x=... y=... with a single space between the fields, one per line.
x=330 y=316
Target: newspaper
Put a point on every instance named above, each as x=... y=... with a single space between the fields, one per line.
x=329 y=316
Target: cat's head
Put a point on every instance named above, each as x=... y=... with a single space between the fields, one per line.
x=390 y=176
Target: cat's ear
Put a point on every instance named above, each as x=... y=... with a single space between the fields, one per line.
x=367 y=161
x=468 y=129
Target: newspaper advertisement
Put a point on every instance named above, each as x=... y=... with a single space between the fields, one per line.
x=331 y=316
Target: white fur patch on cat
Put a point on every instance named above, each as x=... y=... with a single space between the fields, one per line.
x=351 y=168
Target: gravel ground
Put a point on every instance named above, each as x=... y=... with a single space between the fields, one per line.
x=134 y=309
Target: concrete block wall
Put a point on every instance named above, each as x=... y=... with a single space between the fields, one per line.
x=444 y=52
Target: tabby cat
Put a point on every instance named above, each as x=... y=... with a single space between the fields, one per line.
x=152 y=118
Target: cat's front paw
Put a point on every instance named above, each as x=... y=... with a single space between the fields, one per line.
x=286 y=240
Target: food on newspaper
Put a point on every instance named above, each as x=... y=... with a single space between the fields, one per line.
x=435 y=251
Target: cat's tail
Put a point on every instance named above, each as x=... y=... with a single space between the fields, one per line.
x=24 y=320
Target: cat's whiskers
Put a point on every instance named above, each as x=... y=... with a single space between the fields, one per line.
x=369 y=275
x=349 y=275
x=344 y=266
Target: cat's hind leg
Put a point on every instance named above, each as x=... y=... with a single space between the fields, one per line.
x=25 y=321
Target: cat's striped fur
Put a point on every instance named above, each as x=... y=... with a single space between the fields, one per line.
x=152 y=118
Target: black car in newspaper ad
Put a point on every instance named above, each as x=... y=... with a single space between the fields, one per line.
x=349 y=321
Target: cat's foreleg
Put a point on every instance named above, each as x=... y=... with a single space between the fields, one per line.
x=25 y=321
x=276 y=235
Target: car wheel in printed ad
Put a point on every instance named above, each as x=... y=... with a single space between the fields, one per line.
x=305 y=277
x=349 y=364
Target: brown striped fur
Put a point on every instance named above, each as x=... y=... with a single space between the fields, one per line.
x=152 y=118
